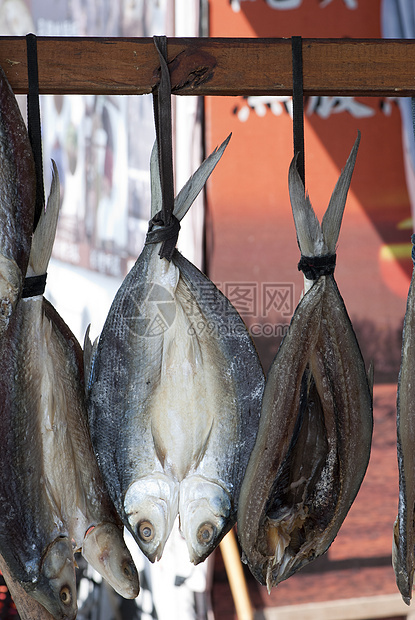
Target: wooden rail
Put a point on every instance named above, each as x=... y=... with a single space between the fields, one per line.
x=212 y=66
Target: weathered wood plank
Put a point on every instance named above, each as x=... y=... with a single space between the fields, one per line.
x=208 y=66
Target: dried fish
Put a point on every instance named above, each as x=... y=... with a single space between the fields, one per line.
x=34 y=540
x=74 y=482
x=314 y=436
x=53 y=499
x=174 y=396
x=403 y=531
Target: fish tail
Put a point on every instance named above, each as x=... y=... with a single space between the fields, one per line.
x=313 y=239
x=309 y=235
x=44 y=235
x=89 y=356
x=194 y=185
x=333 y=216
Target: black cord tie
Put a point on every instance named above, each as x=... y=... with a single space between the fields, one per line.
x=163 y=232
x=298 y=104
x=33 y=122
x=315 y=266
x=34 y=286
x=162 y=120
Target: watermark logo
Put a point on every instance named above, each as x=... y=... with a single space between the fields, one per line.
x=155 y=314
x=265 y=308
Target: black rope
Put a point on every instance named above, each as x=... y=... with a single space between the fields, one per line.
x=167 y=226
x=315 y=266
x=34 y=286
x=298 y=104
x=33 y=122
x=164 y=233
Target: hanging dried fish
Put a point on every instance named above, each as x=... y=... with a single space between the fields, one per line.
x=73 y=479
x=174 y=394
x=34 y=540
x=17 y=202
x=403 y=532
x=53 y=473
x=314 y=437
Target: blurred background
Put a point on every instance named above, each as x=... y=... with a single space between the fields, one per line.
x=241 y=233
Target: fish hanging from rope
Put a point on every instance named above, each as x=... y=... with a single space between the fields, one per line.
x=34 y=540
x=314 y=437
x=403 y=532
x=47 y=461
x=174 y=393
x=17 y=201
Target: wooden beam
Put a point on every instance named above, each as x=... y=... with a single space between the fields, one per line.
x=209 y=66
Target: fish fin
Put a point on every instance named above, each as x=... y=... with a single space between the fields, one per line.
x=89 y=356
x=156 y=199
x=189 y=192
x=333 y=216
x=371 y=377
x=309 y=234
x=44 y=235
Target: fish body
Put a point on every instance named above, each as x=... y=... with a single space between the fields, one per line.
x=174 y=397
x=72 y=471
x=17 y=201
x=314 y=437
x=73 y=479
x=34 y=540
x=403 y=532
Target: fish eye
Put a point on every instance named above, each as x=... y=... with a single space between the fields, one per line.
x=146 y=531
x=65 y=595
x=127 y=569
x=205 y=533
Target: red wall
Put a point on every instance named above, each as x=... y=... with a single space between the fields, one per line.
x=252 y=249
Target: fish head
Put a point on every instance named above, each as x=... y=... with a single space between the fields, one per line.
x=10 y=287
x=150 y=506
x=205 y=516
x=56 y=587
x=104 y=548
x=284 y=545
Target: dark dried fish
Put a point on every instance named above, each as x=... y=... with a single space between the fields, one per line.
x=403 y=532
x=315 y=430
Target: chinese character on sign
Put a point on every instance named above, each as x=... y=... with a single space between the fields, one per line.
x=325 y=106
x=351 y=4
x=284 y=5
x=260 y=104
x=278 y=297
